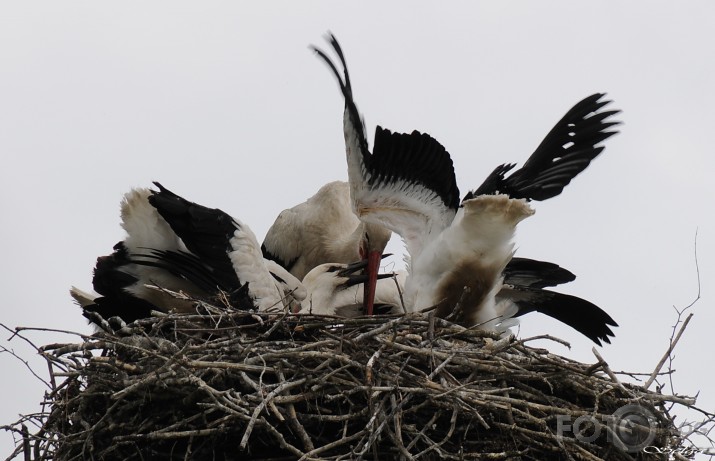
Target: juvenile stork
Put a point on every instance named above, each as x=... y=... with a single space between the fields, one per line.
x=459 y=251
x=333 y=289
x=323 y=229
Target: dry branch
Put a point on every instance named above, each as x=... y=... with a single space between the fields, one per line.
x=225 y=384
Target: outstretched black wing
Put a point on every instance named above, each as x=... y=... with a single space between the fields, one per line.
x=564 y=153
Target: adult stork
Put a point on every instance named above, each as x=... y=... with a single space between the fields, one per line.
x=182 y=246
x=459 y=251
x=323 y=229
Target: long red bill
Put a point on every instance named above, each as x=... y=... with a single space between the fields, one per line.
x=373 y=267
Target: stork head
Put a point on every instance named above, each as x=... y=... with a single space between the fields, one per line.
x=373 y=243
x=332 y=286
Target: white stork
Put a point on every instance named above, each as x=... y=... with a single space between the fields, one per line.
x=459 y=251
x=323 y=229
x=182 y=246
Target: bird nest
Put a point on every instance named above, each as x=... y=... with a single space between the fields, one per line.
x=229 y=384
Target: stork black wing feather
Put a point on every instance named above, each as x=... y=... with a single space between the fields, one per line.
x=128 y=308
x=346 y=88
x=416 y=158
x=565 y=152
x=287 y=265
x=109 y=281
x=532 y=273
x=581 y=315
x=188 y=267
x=206 y=232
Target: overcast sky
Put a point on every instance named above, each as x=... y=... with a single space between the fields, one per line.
x=224 y=104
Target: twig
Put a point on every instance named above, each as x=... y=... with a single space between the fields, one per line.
x=607 y=369
x=27 y=365
x=662 y=361
x=259 y=408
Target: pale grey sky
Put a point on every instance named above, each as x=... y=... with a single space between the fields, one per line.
x=224 y=103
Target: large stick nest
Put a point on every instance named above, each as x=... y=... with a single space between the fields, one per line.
x=225 y=384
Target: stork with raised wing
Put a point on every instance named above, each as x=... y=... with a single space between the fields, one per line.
x=459 y=251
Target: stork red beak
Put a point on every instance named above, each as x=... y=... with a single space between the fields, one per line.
x=373 y=266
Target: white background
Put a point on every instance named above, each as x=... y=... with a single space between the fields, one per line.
x=224 y=103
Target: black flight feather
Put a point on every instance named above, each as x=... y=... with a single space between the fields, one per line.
x=206 y=232
x=565 y=152
x=109 y=281
x=414 y=158
x=581 y=315
x=535 y=274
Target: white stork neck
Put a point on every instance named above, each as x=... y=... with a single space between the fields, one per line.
x=347 y=247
